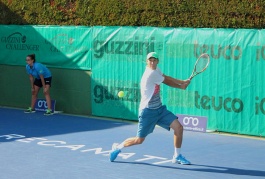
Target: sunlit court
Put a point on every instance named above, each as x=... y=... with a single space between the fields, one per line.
x=67 y=146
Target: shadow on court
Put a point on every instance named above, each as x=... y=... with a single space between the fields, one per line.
x=206 y=168
x=14 y=121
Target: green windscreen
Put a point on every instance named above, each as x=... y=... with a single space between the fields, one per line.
x=230 y=92
x=56 y=46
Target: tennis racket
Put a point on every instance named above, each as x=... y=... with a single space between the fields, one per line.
x=200 y=65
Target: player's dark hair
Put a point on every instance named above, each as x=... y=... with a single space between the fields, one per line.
x=32 y=56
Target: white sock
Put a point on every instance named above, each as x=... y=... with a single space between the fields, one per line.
x=121 y=145
x=177 y=151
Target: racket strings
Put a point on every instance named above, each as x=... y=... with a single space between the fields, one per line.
x=202 y=63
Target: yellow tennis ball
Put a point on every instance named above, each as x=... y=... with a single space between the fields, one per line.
x=121 y=94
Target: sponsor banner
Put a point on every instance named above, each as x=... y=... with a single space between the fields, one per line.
x=54 y=46
x=193 y=123
x=117 y=58
x=41 y=105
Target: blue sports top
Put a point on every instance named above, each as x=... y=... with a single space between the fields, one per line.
x=38 y=69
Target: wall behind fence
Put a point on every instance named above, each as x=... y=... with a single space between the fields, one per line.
x=230 y=92
x=71 y=95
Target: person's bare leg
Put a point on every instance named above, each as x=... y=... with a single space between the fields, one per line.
x=116 y=148
x=178 y=136
x=133 y=141
x=47 y=96
x=178 y=133
x=34 y=96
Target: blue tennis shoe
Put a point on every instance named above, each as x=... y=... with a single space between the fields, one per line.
x=114 y=153
x=181 y=160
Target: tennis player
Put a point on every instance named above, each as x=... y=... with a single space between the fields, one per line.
x=43 y=78
x=152 y=112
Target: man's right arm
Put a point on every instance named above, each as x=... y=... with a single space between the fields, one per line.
x=176 y=83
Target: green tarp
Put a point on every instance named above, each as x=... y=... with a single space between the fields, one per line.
x=230 y=92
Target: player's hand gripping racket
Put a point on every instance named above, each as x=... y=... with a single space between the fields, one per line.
x=200 y=65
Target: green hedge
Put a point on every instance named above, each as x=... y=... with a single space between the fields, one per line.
x=163 y=13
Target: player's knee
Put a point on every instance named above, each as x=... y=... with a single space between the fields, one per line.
x=46 y=93
x=180 y=127
x=177 y=127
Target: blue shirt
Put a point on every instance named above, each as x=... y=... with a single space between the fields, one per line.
x=38 y=69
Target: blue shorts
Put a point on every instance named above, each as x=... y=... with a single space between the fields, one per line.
x=149 y=118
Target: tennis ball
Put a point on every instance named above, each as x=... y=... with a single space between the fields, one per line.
x=121 y=94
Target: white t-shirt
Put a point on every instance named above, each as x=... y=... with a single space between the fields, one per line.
x=150 y=81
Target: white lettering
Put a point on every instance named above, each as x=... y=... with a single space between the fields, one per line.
x=28 y=140
x=72 y=147
x=12 y=136
x=60 y=144
x=150 y=157
x=126 y=155
x=46 y=143
x=97 y=151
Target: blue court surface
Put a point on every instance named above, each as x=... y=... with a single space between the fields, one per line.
x=34 y=146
